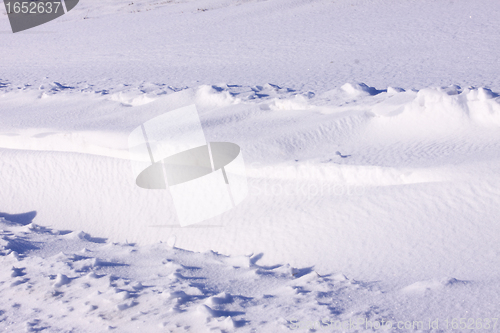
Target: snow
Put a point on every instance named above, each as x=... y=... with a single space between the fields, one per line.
x=302 y=44
x=370 y=135
x=60 y=283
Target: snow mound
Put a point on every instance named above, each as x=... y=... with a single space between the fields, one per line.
x=358 y=89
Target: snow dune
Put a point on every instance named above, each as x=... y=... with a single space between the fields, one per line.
x=333 y=177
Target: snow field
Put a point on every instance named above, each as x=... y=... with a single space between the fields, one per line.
x=303 y=44
x=369 y=203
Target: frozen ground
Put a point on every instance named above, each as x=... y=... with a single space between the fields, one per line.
x=368 y=202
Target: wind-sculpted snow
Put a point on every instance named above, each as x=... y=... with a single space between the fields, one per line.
x=328 y=172
x=368 y=203
x=88 y=119
x=55 y=280
x=64 y=280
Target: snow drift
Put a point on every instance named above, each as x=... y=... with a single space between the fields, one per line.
x=342 y=166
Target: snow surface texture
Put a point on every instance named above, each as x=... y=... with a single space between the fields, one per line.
x=394 y=186
x=366 y=200
x=303 y=44
x=63 y=281
x=413 y=177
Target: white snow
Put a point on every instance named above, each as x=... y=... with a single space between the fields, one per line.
x=370 y=134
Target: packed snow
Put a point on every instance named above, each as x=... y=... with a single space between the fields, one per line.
x=370 y=135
